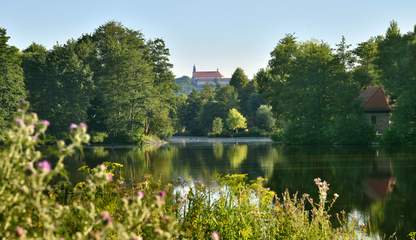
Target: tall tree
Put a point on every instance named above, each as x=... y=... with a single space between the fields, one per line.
x=124 y=80
x=310 y=90
x=239 y=80
x=397 y=61
x=12 y=87
x=68 y=86
x=34 y=67
x=367 y=72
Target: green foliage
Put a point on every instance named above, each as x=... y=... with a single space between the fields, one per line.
x=12 y=87
x=235 y=120
x=217 y=126
x=264 y=118
x=239 y=80
x=113 y=79
x=230 y=212
x=396 y=60
x=313 y=94
x=99 y=137
x=39 y=203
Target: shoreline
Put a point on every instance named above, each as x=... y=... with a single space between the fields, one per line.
x=191 y=139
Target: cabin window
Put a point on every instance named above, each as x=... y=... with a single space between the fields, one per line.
x=374 y=120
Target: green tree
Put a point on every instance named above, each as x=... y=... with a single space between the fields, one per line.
x=396 y=60
x=34 y=68
x=217 y=126
x=311 y=90
x=66 y=91
x=239 y=79
x=124 y=81
x=264 y=118
x=235 y=120
x=366 y=72
x=12 y=87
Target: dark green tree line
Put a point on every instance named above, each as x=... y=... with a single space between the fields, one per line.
x=12 y=87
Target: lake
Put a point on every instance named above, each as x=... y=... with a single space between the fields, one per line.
x=376 y=185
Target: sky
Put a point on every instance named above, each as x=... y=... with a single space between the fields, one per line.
x=223 y=34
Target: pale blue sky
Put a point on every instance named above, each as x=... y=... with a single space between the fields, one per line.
x=222 y=34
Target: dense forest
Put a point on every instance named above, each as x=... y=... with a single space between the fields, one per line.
x=122 y=86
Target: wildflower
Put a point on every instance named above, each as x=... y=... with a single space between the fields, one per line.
x=83 y=125
x=136 y=238
x=73 y=126
x=109 y=177
x=45 y=123
x=162 y=194
x=45 y=166
x=19 y=122
x=106 y=217
x=102 y=167
x=140 y=194
x=20 y=232
x=215 y=235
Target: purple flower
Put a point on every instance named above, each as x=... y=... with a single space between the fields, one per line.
x=140 y=194
x=73 y=126
x=106 y=217
x=19 y=122
x=83 y=125
x=215 y=235
x=102 y=167
x=45 y=123
x=109 y=177
x=20 y=232
x=45 y=166
x=162 y=194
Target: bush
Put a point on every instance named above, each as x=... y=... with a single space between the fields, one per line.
x=39 y=203
x=99 y=137
x=239 y=210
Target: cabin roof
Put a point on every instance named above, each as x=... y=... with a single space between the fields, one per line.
x=374 y=99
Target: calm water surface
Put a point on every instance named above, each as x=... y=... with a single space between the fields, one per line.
x=377 y=186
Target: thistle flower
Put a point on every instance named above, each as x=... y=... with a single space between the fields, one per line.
x=20 y=232
x=19 y=122
x=44 y=166
x=162 y=194
x=83 y=125
x=102 y=167
x=109 y=177
x=140 y=194
x=215 y=235
x=106 y=217
x=45 y=123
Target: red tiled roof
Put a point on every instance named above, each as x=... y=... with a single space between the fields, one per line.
x=207 y=74
x=373 y=99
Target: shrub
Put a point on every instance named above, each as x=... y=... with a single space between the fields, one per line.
x=264 y=118
x=217 y=126
x=99 y=137
x=239 y=210
x=39 y=203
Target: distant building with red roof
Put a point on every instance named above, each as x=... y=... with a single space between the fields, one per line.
x=213 y=78
x=376 y=106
